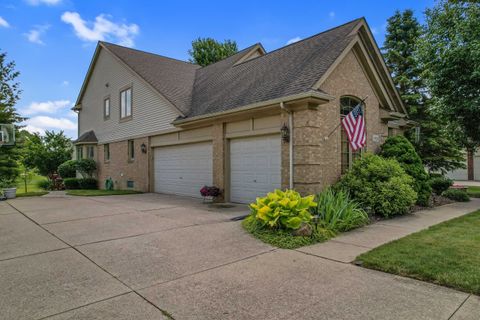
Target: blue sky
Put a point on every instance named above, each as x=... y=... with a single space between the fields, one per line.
x=52 y=41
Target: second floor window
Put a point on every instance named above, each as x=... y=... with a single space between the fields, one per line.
x=126 y=103
x=106 y=108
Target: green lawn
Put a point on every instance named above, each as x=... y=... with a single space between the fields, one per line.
x=93 y=193
x=31 y=184
x=474 y=192
x=445 y=254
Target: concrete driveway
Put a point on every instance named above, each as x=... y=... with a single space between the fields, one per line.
x=154 y=256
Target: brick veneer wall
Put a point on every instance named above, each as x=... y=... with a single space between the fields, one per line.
x=317 y=160
x=120 y=169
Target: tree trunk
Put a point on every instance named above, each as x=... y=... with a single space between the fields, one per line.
x=470 y=168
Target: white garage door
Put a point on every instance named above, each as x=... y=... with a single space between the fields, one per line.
x=183 y=169
x=254 y=167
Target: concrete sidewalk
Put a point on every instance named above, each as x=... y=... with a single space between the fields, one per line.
x=346 y=247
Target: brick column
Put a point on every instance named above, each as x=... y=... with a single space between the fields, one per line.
x=219 y=153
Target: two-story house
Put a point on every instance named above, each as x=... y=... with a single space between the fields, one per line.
x=248 y=124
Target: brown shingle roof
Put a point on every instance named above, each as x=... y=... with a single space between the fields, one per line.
x=172 y=78
x=87 y=137
x=223 y=86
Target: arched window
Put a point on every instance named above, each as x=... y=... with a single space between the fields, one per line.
x=347 y=154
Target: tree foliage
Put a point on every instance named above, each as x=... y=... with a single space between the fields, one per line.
x=9 y=95
x=450 y=53
x=436 y=145
x=47 y=153
x=206 y=51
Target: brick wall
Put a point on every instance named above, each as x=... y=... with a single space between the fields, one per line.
x=120 y=169
x=317 y=159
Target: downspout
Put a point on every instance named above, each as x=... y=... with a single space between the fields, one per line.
x=290 y=144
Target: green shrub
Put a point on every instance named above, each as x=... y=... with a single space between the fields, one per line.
x=283 y=209
x=440 y=184
x=68 y=169
x=380 y=186
x=402 y=150
x=87 y=183
x=86 y=167
x=457 y=195
x=7 y=183
x=71 y=183
x=82 y=183
x=45 y=184
x=337 y=212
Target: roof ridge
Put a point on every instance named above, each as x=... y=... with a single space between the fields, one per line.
x=308 y=38
x=149 y=53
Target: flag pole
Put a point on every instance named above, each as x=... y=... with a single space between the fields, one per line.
x=338 y=125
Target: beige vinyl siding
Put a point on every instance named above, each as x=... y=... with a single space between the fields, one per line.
x=150 y=112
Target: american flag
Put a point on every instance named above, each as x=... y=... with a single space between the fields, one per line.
x=354 y=125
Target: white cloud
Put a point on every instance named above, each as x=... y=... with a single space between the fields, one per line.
x=102 y=29
x=331 y=14
x=65 y=83
x=42 y=123
x=293 y=40
x=47 y=2
x=374 y=30
x=4 y=23
x=46 y=107
x=34 y=35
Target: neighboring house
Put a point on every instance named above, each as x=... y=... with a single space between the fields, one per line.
x=163 y=125
x=472 y=168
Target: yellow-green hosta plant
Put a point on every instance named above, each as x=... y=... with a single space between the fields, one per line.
x=283 y=209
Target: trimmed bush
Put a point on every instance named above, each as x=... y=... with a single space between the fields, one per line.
x=87 y=183
x=45 y=184
x=457 y=195
x=283 y=209
x=337 y=212
x=402 y=150
x=440 y=184
x=68 y=169
x=71 y=183
x=84 y=183
x=86 y=167
x=380 y=186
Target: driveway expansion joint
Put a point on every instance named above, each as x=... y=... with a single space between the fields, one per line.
x=97 y=265
x=460 y=306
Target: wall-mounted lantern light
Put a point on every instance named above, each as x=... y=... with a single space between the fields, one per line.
x=285 y=131
x=143 y=148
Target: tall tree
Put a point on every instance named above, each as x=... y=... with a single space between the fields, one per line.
x=9 y=95
x=435 y=145
x=206 y=51
x=47 y=152
x=450 y=52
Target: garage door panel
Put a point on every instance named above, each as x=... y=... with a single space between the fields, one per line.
x=254 y=167
x=183 y=169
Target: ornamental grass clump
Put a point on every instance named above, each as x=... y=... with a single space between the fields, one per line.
x=286 y=210
x=337 y=212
